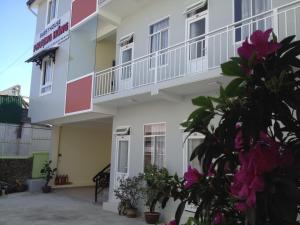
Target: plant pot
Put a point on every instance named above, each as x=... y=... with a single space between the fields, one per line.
x=46 y=189
x=152 y=217
x=131 y=212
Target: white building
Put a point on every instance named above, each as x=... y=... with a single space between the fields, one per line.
x=116 y=77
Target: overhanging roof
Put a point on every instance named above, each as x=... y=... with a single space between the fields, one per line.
x=30 y=2
x=38 y=58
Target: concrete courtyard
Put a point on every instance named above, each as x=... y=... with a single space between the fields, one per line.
x=56 y=209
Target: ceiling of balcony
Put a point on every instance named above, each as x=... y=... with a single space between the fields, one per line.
x=114 y=7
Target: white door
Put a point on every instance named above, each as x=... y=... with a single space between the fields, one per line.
x=197 y=46
x=125 y=81
x=122 y=156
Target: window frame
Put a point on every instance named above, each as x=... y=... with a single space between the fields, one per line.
x=186 y=137
x=119 y=138
x=50 y=83
x=251 y=15
x=123 y=48
x=48 y=20
x=193 y=19
x=165 y=139
x=159 y=65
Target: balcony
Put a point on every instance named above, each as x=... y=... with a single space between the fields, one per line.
x=193 y=59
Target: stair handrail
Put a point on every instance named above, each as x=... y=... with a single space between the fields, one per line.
x=101 y=172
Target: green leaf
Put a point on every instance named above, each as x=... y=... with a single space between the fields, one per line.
x=203 y=101
x=274 y=37
x=232 y=68
x=222 y=92
x=285 y=44
x=291 y=54
x=233 y=89
x=179 y=212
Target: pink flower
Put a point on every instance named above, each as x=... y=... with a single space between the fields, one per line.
x=191 y=177
x=219 y=218
x=173 y=222
x=262 y=158
x=260 y=47
x=287 y=159
x=246 y=50
x=241 y=207
x=238 y=141
x=263 y=47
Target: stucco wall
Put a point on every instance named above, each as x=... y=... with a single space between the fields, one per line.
x=135 y=116
x=84 y=152
x=50 y=106
x=139 y=22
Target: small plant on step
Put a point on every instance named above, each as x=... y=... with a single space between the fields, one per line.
x=129 y=193
x=48 y=174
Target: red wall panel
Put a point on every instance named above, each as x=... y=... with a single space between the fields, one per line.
x=81 y=9
x=79 y=95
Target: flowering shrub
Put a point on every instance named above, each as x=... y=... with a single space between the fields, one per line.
x=250 y=160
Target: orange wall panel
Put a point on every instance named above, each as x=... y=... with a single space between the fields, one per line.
x=81 y=9
x=79 y=95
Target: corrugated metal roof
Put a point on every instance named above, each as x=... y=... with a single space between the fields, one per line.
x=11 y=109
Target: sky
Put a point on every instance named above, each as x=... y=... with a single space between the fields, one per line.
x=17 y=33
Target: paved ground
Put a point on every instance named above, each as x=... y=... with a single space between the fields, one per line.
x=56 y=209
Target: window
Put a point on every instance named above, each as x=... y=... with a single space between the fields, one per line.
x=244 y=9
x=51 y=10
x=189 y=146
x=159 y=40
x=124 y=130
x=154 y=144
x=126 y=45
x=47 y=76
x=196 y=8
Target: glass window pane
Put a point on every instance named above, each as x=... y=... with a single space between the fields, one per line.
x=192 y=143
x=154 y=146
x=197 y=28
x=159 y=26
x=123 y=157
x=155 y=129
x=49 y=12
x=127 y=55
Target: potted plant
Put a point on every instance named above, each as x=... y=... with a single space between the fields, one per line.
x=48 y=174
x=156 y=190
x=129 y=192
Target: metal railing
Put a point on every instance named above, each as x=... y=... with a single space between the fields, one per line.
x=101 y=180
x=197 y=55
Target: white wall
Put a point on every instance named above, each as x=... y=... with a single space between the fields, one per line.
x=136 y=116
x=50 y=106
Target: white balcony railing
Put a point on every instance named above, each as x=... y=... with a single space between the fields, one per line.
x=195 y=56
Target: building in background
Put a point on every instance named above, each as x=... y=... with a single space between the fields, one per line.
x=116 y=78
x=18 y=136
x=12 y=91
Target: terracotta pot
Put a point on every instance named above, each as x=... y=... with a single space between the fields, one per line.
x=46 y=189
x=152 y=217
x=131 y=213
